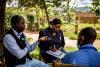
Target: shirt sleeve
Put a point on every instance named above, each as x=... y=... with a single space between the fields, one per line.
x=11 y=44
x=32 y=46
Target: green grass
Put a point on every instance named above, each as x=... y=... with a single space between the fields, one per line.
x=71 y=35
x=70 y=49
x=35 y=53
x=69 y=29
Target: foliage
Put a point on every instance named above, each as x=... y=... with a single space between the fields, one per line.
x=9 y=13
x=31 y=22
x=35 y=53
x=98 y=36
x=39 y=3
x=96 y=7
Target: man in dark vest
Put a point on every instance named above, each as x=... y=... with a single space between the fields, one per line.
x=55 y=42
x=16 y=48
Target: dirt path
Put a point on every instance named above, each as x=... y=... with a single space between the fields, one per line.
x=34 y=36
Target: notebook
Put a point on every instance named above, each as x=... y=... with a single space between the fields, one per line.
x=59 y=54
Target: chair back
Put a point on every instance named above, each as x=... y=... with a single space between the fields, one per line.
x=56 y=64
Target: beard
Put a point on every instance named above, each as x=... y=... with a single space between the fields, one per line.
x=20 y=30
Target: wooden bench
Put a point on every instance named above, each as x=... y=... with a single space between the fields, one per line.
x=58 y=64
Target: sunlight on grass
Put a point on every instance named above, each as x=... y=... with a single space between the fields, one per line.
x=70 y=49
x=69 y=29
x=35 y=53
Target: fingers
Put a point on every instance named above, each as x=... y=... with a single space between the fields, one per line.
x=44 y=38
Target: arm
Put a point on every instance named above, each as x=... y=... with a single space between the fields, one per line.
x=10 y=43
x=44 y=45
x=32 y=46
x=63 y=40
x=40 y=35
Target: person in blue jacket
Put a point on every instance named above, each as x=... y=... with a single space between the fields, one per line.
x=55 y=40
x=87 y=55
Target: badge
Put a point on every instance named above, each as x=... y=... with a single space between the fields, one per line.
x=54 y=34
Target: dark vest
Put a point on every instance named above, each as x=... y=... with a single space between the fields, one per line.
x=11 y=60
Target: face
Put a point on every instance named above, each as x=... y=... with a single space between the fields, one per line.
x=56 y=27
x=21 y=25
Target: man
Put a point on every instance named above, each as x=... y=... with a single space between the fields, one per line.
x=87 y=55
x=16 y=48
x=55 y=42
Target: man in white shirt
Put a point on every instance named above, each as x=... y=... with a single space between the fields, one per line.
x=17 y=49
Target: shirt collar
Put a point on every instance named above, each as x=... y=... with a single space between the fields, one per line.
x=16 y=33
x=87 y=46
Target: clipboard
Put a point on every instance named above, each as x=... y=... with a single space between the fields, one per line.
x=59 y=54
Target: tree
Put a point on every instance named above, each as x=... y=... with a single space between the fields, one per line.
x=68 y=10
x=96 y=7
x=2 y=16
x=30 y=3
x=2 y=20
x=40 y=3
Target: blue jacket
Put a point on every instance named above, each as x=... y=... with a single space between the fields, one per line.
x=57 y=40
x=86 y=55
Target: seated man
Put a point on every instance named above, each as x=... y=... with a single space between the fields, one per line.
x=16 y=48
x=55 y=40
x=87 y=55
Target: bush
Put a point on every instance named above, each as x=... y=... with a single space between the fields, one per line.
x=35 y=53
x=71 y=35
x=98 y=36
x=31 y=22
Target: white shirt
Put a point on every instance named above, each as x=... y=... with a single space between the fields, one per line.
x=11 y=44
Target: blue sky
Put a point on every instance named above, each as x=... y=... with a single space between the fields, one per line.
x=81 y=3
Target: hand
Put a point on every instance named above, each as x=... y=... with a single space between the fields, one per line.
x=44 y=38
x=53 y=49
x=60 y=48
x=50 y=48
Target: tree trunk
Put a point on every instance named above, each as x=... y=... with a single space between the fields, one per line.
x=46 y=14
x=68 y=9
x=45 y=8
x=2 y=20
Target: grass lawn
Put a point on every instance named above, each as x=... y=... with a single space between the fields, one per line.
x=69 y=29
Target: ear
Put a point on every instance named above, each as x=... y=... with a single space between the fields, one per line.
x=82 y=37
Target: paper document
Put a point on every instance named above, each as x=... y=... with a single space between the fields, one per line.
x=58 y=54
